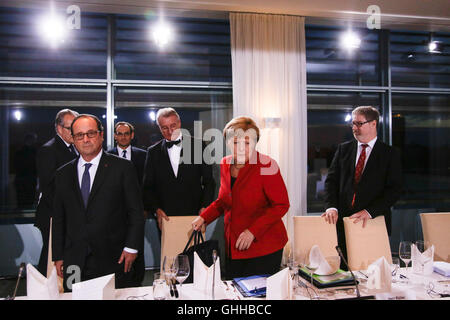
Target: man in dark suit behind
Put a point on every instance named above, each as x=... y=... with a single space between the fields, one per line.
x=173 y=188
x=98 y=223
x=124 y=134
x=365 y=176
x=52 y=155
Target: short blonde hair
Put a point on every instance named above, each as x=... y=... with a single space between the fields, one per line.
x=242 y=124
x=368 y=112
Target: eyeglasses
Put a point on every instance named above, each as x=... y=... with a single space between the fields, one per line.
x=358 y=123
x=126 y=134
x=67 y=128
x=90 y=134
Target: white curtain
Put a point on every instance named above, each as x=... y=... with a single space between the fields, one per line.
x=269 y=85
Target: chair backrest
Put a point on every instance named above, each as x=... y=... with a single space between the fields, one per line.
x=314 y=230
x=368 y=244
x=436 y=230
x=175 y=234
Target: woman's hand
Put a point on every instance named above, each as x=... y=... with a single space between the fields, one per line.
x=245 y=240
x=198 y=223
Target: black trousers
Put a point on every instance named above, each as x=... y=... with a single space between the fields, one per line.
x=268 y=264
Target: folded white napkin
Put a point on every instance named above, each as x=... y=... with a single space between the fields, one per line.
x=380 y=276
x=422 y=263
x=279 y=286
x=325 y=265
x=442 y=267
x=102 y=288
x=203 y=279
x=39 y=287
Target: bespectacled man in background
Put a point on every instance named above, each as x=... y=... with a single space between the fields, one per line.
x=365 y=176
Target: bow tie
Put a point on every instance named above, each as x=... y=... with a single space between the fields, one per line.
x=170 y=144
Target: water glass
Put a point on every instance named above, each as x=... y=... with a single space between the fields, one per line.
x=159 y=287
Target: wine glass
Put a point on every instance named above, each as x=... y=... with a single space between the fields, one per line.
x=405 y=252
x=183 y=268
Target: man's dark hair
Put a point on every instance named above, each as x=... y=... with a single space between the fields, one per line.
x=99 y=123
x=124 y=123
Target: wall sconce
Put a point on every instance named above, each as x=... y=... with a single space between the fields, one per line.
x=270 y=123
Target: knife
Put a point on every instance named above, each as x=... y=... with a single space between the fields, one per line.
x=175 y=287
x=169 y=283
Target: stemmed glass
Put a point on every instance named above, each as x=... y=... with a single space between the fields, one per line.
x=183 y=268
x=405 y=253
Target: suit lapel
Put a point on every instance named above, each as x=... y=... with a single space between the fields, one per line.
x=350 y=160
x=166 y=159
x=99 y=176
x=64 y=149
x=76 y=183
x=181 y=165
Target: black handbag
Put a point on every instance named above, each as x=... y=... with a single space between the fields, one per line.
x=204 y=250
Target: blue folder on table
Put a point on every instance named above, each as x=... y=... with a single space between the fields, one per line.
x=252 y=286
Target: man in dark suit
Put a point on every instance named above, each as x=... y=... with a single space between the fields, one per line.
x=124 y=134
x=365 y=176
x=174 y=184
x=52 y=155
x=98 y=223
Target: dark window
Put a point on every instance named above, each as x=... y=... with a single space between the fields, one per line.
x=25 y=53
x=421 y=130
x=200 y=50
x=412 y=65
x=28 y=114
x=329 y=116
x=328 y=64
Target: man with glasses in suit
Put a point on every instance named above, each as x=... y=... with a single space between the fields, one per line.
x=98 y=223
x=365 y=176
x=53 y=154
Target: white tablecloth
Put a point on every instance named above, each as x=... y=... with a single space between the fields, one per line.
x=416 y=289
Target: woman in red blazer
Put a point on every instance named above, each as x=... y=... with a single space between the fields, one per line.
x=253 y=198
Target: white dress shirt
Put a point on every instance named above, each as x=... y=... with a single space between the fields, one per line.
x=175 y=154
x=127 y=154
x=92 y=171
x=371 y=143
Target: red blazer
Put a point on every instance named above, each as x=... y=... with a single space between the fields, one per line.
x=257 y=202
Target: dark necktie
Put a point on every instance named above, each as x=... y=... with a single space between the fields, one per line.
x=358 y=170
x=170 y=144
x=124 y=154
x=86 y=184
x=72 y=149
